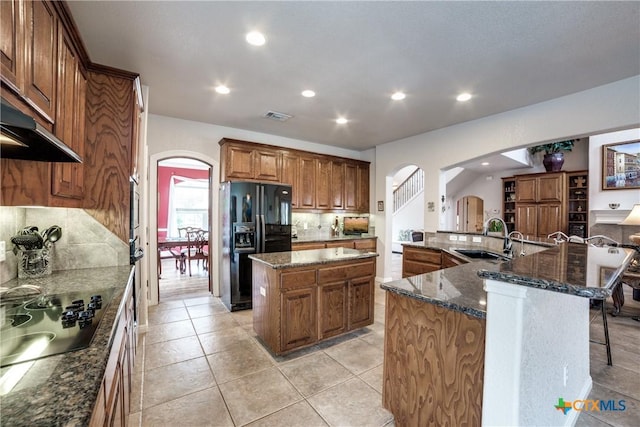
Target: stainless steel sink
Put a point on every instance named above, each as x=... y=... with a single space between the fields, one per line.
x=482 y=254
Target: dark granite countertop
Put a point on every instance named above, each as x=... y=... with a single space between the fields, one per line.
x=569 y=268
x=575 y=269
x=62 y=389
x=457 y=288
x=278 y=260
x=315 y=238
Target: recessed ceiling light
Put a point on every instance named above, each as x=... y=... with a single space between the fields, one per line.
x=308 y=93
x=255 y=38
x=464 y=97
x=341 y=120
x=398 y=96
x=485 y=163
x=222 y=89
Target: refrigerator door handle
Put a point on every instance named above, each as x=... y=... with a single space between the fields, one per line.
x=263 y=232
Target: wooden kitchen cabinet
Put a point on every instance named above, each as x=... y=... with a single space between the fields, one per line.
x=320 y=183
x=244 y=162
x=290 y=175
x=332 y=305
x=337 y=184
x=307 y=183
x=324 y=189
x=299 y=316
x=11 y=44
x=540 y=204
x=362 y=188
x=67 y=178
x=299 y=306
x=41 y=59
x=360 y=244
x=113 y=404
x=417 y=261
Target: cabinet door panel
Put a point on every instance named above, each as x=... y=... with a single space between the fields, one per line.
x=67 y=178
x=307 y=182
x=289 y=175
x=360 y=302
x=363 y=188
x=550 y=219
x=337 y=185
x=323 y=184
x=299 y=313
x=11 y=53
x=267 y=165
x=41 y=63
x=527 y=220
x=550 y=188
x=526 y=190
x=239 y=162
x=333 y=309
x=351 y=186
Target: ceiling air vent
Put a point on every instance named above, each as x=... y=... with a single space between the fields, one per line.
x=274 y=115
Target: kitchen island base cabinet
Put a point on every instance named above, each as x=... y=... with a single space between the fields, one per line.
x=433 y=364
x=297 y=307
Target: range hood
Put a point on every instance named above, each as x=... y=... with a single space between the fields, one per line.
x=23 y=138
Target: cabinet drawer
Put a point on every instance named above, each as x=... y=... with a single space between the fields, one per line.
x=427 y=255
x=341 y=273
x=341 y=244
x=297 y=279
x=411 y=268
x=306 y=246
x=365 y=244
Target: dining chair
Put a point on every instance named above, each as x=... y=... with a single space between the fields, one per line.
x=181 y=260
x=197 y=248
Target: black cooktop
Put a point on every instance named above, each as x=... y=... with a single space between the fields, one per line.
x=50 y=324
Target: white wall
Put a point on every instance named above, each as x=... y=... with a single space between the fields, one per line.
x=602 y=109
x=410 y=216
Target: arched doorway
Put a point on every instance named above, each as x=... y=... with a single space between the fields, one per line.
x=160 y=228
x=183 y=201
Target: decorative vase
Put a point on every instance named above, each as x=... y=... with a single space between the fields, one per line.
x=553 y=162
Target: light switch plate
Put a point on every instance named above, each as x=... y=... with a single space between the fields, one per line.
x=453 y=238
x=477 y=239
x=263 y=291
x=462 y=238
x=3 y=249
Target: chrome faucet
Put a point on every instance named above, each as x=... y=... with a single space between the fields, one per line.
x=506 y=247
x=522 y=252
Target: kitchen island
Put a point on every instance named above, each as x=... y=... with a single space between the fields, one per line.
x=488 y=342
x=68 y=389
x=303 y=297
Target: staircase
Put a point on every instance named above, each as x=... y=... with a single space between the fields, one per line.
x=406 y=191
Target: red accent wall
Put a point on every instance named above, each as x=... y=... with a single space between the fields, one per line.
x=164 y=178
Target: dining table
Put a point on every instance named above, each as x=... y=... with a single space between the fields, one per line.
x=174 y=246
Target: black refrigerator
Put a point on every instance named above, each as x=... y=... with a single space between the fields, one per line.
x=254 y=218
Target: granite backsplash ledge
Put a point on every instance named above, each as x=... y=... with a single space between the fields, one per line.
x=85 y=243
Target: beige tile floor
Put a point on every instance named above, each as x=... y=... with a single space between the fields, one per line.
x=199 y=365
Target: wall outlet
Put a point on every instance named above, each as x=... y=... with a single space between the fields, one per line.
x=3 y=249
x=462 y=238
x=565 y=375
x=453 y=238
x=477 y=239
x=305 y=226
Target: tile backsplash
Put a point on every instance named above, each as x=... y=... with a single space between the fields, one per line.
x=85 y=243
x=318 y=225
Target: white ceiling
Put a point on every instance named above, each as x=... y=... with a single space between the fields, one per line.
x=355 y=54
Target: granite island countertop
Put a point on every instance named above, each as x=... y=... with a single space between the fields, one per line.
x=62 y=389
x=563 y=268
x=279 y=260
x=316 y=238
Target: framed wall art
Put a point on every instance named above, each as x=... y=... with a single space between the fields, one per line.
x=621 y=165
